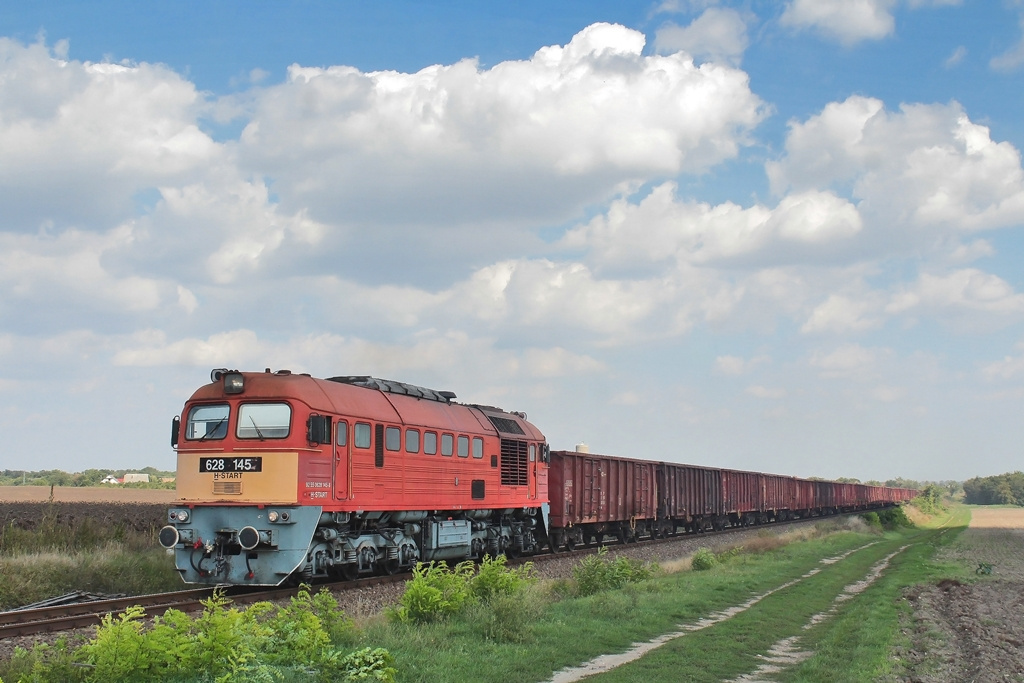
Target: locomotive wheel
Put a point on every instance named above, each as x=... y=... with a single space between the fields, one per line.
x=350 y=571
x=391 y=567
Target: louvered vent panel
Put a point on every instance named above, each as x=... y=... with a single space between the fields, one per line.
x=513 y=463
x=378 y=452
x=505 y=425
x=227 y=488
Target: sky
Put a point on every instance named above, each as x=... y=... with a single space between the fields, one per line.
x=775 y=236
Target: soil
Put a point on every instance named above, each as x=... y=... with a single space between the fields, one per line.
x=85 y=494
x=972 y=631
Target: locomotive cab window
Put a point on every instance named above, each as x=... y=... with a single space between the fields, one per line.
x=430 y=443
x=362 y=439
x=533 y=452
x=478 y=447
x=412 y=441
x=342 y=433
x=393 y=439
x=447 y=444
x=263 y=421
x=207 y=422
x=463 y=446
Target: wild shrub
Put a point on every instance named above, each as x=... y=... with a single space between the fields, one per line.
x=43 y=663
x=507 y=618
x=367 y=664
x=596 y=573
x=894 y=518
x=872 y=520
x=434 y=592
x=494 y=578
x=703 y=560
x=261 y=643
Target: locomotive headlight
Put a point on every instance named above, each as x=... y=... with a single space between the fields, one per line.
x=233 y=383
x=174 y=516
x=169 y=537
x=272 y=515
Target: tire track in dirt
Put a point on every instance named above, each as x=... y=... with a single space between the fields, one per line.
x=604 y=663
x=786 y=652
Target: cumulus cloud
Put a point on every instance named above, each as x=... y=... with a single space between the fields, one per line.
x=926 y=166
x=849 y=361
x=848 y=21
x=81 y=138
x=719 y=34
x=67 y=272
x=458 y=143
x=966 y=290
x=1006 y=368
x=453 y=354
x=842 y=314
x=661 y=229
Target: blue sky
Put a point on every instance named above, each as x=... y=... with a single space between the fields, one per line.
x=772 y=236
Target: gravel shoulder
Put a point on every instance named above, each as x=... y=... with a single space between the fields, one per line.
x=973 y=631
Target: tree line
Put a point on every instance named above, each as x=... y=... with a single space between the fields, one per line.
x=1001 y=489
x=91 y=477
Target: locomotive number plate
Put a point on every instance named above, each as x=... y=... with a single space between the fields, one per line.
x=231 y=464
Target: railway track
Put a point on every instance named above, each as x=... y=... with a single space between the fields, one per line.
x=81 y=615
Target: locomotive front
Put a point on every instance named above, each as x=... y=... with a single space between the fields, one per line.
x=240 y=519
x=282 y=476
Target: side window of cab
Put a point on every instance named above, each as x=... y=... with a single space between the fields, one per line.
x=362 y=435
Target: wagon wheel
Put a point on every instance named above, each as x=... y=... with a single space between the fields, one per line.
x=570 y=544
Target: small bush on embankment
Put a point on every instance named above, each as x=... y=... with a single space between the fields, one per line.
x=596 y=573
x=494 y=599
x=703 y=560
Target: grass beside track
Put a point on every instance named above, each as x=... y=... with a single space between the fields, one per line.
x=537 y=631
x=854 y=644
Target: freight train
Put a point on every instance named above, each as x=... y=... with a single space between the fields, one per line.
x=286 y=477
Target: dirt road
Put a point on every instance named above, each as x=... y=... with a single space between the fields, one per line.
x=974 y=632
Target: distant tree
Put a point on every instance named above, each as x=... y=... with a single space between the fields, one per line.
x=901 y=483
x=1001 y=489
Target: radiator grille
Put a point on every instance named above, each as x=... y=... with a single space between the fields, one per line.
x=378 y=453
x=227 y=488
x=513 y=463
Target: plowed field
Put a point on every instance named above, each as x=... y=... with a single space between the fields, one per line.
x=85 y=494
x=974 y=632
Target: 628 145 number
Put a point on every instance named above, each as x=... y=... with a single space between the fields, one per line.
x=230 y=464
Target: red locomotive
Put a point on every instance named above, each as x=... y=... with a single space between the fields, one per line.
x=283 y=476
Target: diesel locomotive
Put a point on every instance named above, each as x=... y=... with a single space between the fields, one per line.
x=286 y=477
x=283 y=475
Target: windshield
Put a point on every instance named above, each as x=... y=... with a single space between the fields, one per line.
x=207 y=422
x=263 y=421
